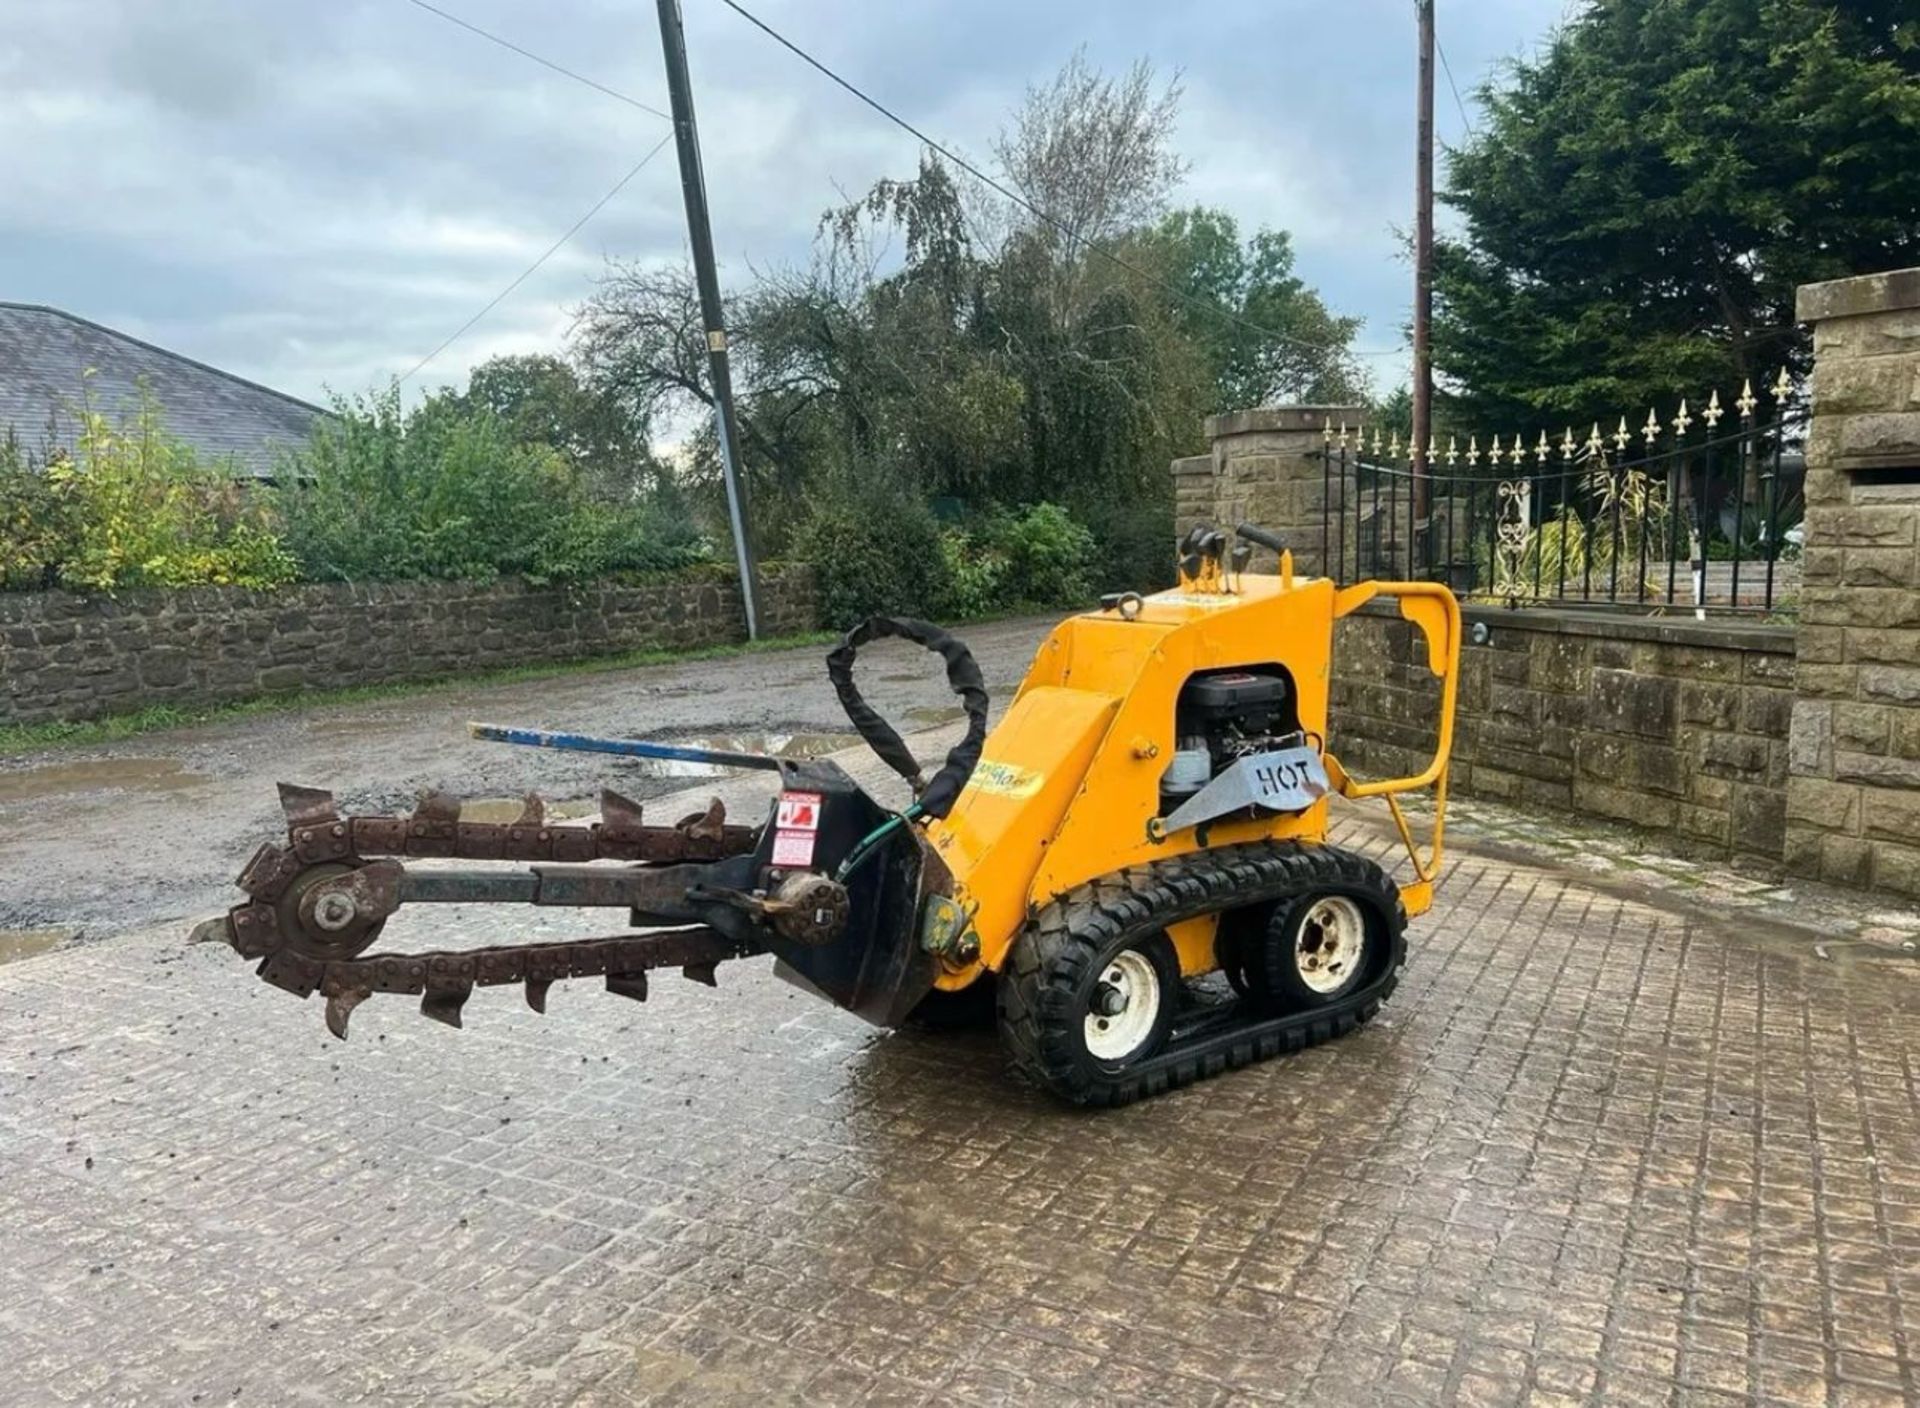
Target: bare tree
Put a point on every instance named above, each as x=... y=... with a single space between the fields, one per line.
x=1094 y=155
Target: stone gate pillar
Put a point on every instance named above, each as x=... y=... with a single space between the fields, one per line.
x=1264 y=467
x=1853 y=786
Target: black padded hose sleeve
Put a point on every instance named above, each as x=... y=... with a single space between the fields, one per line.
x=938 y=796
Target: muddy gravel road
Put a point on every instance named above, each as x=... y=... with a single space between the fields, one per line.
x=98 y=840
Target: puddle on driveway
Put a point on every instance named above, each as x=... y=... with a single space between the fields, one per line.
x=16 y=944
x=355 y=728
x=932 y=715
x=96 y=775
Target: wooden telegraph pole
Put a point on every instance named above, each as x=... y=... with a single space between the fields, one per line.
x=1423 y=266
x=693 y=185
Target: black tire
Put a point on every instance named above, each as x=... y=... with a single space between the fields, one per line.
x=1059 y=956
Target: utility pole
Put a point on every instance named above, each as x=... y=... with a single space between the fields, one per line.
x=693 y=184
x=1423 y=266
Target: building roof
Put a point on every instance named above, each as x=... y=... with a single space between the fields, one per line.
x=45 y=354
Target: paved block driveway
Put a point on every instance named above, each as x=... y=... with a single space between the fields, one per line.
x=1594 y=1151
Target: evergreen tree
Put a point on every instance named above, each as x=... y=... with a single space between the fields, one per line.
x=1646 y=194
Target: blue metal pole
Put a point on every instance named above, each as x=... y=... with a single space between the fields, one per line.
x=624 y=747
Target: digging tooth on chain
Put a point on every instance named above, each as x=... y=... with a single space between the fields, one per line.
x=622 y=813
x=340 y=1006
x=307 y=806
x=709 y=825
x=533 y=811
x=537 y=994
x=633 y=985
x=700 y=973
x=443 y=1004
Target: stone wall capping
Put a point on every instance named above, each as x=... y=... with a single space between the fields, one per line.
x=1891 y=292
x=1269 y=418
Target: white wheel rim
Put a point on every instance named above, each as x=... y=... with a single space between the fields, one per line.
x=1117 y=1035
x=1330 y=944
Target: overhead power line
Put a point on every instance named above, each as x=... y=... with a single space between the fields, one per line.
x=551 y=250
x=544 y=62
x=1447 y=69
x=1028 y=205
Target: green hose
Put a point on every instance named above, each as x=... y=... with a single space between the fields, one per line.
x=869 y=843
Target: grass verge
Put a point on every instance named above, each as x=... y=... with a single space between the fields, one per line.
x=24 y=738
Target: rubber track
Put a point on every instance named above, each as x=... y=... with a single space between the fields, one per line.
x=1055 y=949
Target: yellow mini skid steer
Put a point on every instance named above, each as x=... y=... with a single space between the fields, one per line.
x=1152 y=808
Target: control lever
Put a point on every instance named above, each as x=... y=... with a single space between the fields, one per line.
x=1253 y=533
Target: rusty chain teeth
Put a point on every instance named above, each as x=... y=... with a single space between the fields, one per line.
x=318 y=835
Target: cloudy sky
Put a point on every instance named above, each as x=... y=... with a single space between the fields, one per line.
x=316 y=195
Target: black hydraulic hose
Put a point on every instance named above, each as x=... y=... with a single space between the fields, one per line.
x=937 y=796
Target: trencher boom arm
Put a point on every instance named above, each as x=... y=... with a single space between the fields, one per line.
x=821 y=883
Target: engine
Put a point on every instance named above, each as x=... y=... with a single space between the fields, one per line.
x=1222 y=715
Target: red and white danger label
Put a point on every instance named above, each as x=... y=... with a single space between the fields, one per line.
x=799 y=811
x=793 y=848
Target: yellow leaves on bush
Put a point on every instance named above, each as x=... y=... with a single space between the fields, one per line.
x=131 y=506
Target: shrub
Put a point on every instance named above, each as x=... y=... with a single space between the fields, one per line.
x=1050 y=557
x=976 y=577
x=873 y=550
x=446 y=492
x=37 y=528
x=131 y=506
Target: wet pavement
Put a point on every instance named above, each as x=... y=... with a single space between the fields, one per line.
x=1620 y=1137
x=102 y=839
x=1601 y=1147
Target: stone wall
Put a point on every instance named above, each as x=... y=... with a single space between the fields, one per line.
x=67 y=657
x=1678 y=727
x=1265 y=468
x=1853 y=808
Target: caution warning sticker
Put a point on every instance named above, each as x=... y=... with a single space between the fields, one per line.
x=799 y=811
x=793 y=848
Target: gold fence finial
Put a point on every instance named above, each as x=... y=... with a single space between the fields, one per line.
x=1494 y=452
x=1747 y=401
x=1543 y=449
x=1393 y=446
x=1343 y=435
x=1782 y=388
x=1453 y=450
x=1376 y=440
x=1622 y=436
x=1683 y=420
x=1432 y=453
x=1711 y=415
x=1326 y=429
x=1517 y=454
x=1652 y=428
x=1595 y=445
x=1567 y=444
x=1473 y=450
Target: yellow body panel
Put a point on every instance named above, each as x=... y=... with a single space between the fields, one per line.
x=1068 y=788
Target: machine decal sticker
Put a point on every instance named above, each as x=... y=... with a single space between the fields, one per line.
x=1005 y=779
x=793 y=848
x=799 y=811
x=1194 y=599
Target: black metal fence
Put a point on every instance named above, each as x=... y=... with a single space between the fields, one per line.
x=1687 y=514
